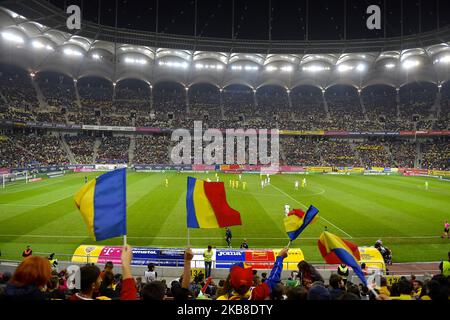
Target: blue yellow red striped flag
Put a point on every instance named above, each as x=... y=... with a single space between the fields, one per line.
x=296 y=221
x=335 y=250
x=207 y=205
x=102 y=203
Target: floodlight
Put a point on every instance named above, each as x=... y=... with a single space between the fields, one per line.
x=12 y=37
x=409 y=64
x=390 y=65
x=71 y=52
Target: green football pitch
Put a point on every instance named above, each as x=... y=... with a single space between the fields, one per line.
x=362 y=209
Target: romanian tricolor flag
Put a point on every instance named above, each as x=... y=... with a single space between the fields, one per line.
x=335 y=250
x=207 y=205
x=296 y=221
x=102 y=203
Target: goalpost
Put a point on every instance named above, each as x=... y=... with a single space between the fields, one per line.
x=12 y=178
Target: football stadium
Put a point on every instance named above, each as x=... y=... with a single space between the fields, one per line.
x=263 y=150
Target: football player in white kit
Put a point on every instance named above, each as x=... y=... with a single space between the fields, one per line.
x=287 y=209
x=296 y=184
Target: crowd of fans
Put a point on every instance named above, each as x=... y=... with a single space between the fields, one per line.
x=338 y=153
x=37 y=278
x=82 y=148
x=113 y=150
x=24 y=150
x=300 y=151
x=403 y=152
x=170 y=105
x=152 y=149
x=20 y=149
x=373 y=154
x=436 y=155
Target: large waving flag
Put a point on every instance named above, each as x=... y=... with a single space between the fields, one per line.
x=207 y=205
x=296 y=221
x=102 y=203
x=335 y=250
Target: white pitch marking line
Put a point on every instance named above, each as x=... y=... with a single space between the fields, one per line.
x=306 y=207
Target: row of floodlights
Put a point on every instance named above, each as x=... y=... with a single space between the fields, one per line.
x=313 y=68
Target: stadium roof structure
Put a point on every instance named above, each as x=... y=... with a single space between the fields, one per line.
x=35 y=37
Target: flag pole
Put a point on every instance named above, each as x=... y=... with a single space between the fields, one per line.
x=289 y=244
x=188 y=239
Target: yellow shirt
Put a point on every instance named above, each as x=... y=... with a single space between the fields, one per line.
x=384 y=290
x=208 y=255
x=402 y=297
x=234 y=296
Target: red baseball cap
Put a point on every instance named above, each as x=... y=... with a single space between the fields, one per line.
x=240 y=276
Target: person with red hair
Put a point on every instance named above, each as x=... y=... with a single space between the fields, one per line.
x=29 y=279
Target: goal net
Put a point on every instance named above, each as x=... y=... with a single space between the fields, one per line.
x=14 y=178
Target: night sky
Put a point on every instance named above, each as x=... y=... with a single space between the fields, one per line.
x=326 y=19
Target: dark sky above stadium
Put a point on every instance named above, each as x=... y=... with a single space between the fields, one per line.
x=289 y=19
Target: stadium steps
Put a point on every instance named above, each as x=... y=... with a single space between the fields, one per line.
x=3 y=98
x=437 y=105
x=325 y=105
x=66 y=148
x=40 y=96
x=131 y=149
x=363 y=107
x=97 y=144
x=389 y=153
x=77 y=95
x=356 y=152
x=397 y=100
x=419 y=155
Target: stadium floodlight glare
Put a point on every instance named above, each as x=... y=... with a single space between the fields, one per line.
x=201 y=66
x=38 y=45
x=236 y=68
x=174 y=64
x=287 y=68
x=344 y=68
x=129 y=60
x=390 y=65
x=250 y=68
x=315 y=68
x=361 y=67
x=271 y=68
x=444 y=59
x=96 y=56
x=12 y=37
x=70 y=52
x=409 y=64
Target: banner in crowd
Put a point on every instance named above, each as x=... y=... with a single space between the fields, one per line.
x=52 y=168
x=202 y=167
x=50 y=125
x=108 y=128
x=4 y=170
x=350 y=169
x=292 y=169
x=162 y=167
x=372 y=258
x=425 y=133
x=222 y=258
x=336 y=133
x=144 y=129
x=440 y=173
x=302 y=133
x=413 y=172
x=109 y=167
x=320 y=169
